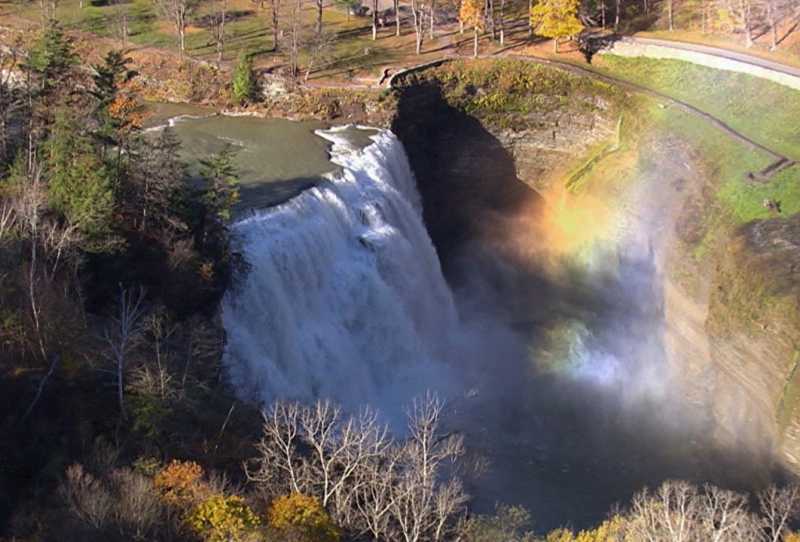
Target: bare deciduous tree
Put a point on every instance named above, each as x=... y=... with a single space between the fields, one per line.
x=671 y=513
x=397 y=17
x=177 y=13
x=319 y=51
x=724 y=516
x=424 y=456
x=370 y=484
x=121 y=335
x=374 y=10
x=86 y=497
x=418 y=9
x=274 y=9
x=778 y=506
x=296 y=29
x=219 y=20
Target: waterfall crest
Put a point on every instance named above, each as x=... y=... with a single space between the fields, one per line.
x=345 y=297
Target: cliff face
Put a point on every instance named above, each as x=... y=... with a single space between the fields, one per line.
x=474 y=161
x=754 y=328
x=730 y=327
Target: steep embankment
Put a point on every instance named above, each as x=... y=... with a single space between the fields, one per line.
x=474 y=130
x=616 y=172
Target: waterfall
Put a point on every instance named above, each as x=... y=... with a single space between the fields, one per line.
x=345 y=297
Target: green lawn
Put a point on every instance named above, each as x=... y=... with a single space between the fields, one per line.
x=248 y=28
x=762 y=110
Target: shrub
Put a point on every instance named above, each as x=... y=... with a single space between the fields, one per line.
x=302 y=518
x=243 y=86
x=181 y=483
x=138 y=510
x=509 y=524
x=86 y=497
x=222 y=519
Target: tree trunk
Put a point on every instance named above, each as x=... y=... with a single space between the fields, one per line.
x=490 y=18
x=319 y=17
x=617 y=14
x=397 y=17
x=748 y=24
x=530 y=21
x=669 y=15
x=555 y=45
x=180 y=23
x=374 y=20
x=502 y=22
x=433 y=19
x=603 y=14
x=221 y=32
x=772 y=26
x=475 y=41
x=275 y=6
x=298 y=12
x=704 y=27
x=461 y=26
x=419 y=25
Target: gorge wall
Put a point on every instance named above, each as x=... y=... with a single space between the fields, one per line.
x=726 y=326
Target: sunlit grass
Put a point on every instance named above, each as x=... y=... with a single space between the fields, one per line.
x=759 y=109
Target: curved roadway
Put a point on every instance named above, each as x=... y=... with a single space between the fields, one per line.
x=716 y=51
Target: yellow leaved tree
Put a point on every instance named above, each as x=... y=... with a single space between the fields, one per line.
x=301 y=518
x=556 y=19
x=471 y=14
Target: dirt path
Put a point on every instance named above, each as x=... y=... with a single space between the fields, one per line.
x=656 y=94
x=780 y=162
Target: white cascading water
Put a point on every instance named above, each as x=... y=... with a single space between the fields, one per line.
x=345 y=298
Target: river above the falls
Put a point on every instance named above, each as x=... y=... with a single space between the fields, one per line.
x=276 y=158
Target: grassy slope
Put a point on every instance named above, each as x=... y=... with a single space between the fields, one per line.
x=758 y=109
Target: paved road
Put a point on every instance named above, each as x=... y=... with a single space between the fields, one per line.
x=716 y=51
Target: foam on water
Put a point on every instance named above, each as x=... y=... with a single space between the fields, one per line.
x=345 y=297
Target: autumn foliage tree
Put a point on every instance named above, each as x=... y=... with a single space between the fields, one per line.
x=223 y=519
x=556 y=19
x=471 y=14
x=302 y=518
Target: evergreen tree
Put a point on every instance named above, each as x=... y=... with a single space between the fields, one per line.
x=221 y=192
x=51 y=57
x=79 y=186
x=243 y=86
x=556 y=19
x=154 y=186
x=116 y=114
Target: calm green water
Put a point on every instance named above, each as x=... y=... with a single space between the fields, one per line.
x=277 y=159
